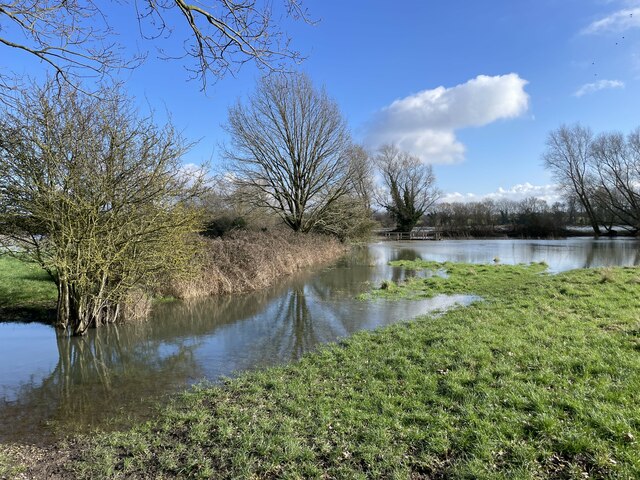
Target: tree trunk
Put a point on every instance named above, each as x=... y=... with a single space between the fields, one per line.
x=63 y=309
x=77 y=311
x=594 y=225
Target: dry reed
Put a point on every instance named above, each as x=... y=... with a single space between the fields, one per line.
x=245 y=261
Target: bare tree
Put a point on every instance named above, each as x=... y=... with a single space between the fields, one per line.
x=361 y=174
x=97 y=197
x=568 y=157
x=409 y=186
x=288 y=151
x=75 y=39
x=351 y=216
x=617 y=163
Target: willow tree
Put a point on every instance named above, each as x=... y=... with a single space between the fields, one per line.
x=289 y=151
x=97 y=196
x=409 y=186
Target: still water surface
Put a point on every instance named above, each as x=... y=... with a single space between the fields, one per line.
x=51 y=385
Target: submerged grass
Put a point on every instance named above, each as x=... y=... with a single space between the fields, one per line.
x=540 y=380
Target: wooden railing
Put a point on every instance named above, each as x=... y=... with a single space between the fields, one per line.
x=413 y=235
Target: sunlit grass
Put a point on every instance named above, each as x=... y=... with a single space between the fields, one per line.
x=539 y=380
x=24 y=287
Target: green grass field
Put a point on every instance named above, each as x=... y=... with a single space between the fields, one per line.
x=26 y=291
x=540 y=380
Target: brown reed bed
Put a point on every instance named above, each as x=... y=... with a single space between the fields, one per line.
x=246 y=260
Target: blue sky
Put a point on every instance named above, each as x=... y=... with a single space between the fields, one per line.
x=470 y=86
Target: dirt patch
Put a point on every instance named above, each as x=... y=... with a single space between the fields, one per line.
x=18 y=462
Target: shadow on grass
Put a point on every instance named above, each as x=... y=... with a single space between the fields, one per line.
x=43 y=315
x=36 y=277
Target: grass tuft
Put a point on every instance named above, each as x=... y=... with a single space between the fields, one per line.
x=607 y=275
x=389 y=285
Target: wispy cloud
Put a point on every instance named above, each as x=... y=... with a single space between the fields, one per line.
x=597 y=86
x=618 y=21
x=549 y=193
x=425 y=123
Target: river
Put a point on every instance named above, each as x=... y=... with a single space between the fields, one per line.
x=52 y=386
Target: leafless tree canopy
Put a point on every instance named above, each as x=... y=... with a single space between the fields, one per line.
x=361 y=174
x=75 y=39
x=96 y=196
x=616 y=160
x=602 y=172
x=288 y=151
x=568 y=158
x=409 y=186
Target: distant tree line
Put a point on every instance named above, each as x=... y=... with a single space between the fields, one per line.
x=601 y=173
x=531 y=218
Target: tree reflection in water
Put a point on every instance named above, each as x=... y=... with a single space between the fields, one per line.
x=105 y=374
x=117 y=373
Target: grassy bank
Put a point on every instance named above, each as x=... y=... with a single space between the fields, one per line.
x=26 y=291
x=540 y=380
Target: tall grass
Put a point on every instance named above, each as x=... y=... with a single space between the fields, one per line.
x=246 y=261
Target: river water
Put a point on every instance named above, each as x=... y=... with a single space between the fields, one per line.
x=51 y=386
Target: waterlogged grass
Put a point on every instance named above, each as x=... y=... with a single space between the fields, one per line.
x=540 y=380
x=25 y=290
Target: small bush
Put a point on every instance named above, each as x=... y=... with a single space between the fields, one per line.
x=389 y=285
x=223 y=225
x=606 y=275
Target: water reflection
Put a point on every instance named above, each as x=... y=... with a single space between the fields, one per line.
x=119 y=371
x=96 y=377
x=560 y=255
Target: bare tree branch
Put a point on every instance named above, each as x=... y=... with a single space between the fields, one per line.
x=288 y=150
x=75 y=40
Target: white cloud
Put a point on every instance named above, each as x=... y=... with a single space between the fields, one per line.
x=425 y=123
x=597 y=86
x=549 y=193
x=619 y=21
x=190 y=172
